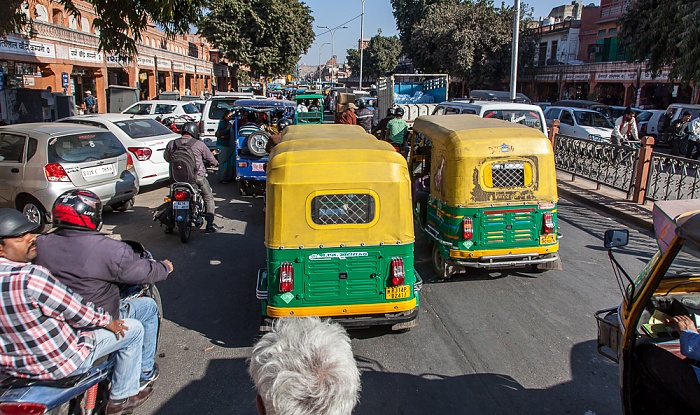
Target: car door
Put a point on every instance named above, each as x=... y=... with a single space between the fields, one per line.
x=12 y=166
x=566 y=124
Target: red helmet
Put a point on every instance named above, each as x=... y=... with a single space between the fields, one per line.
x=78 y=209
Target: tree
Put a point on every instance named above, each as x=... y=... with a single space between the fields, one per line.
x=381 y=55
x=353 y=60
x=120 y=22
x=665 y=33
x=408 y=13
x=268 y=36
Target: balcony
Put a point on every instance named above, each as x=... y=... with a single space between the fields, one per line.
x=561 y=26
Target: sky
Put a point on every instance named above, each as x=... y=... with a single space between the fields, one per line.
x=335 y=13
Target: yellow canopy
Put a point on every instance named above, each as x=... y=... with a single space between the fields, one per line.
x=313 y=179
x=467 y=150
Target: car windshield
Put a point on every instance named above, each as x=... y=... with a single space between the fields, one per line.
x=591 y=119
x=139 y=109
x=190 y=109
x=78 y=148
x=644 y=116
x=219 y=107
x=525 y=117
x=142 y=128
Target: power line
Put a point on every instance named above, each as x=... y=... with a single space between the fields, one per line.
x=338 y=27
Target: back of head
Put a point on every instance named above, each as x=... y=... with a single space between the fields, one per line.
x=390 y=112
x=360 y=103
x=192 y=129
x=251 y=117
x=305 y=366
x=78 y=209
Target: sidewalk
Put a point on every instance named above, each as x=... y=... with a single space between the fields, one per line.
x=607 y=200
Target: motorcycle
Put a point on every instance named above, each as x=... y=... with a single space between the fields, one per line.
x=84 y=394
x=183 y=208
x=175 y=122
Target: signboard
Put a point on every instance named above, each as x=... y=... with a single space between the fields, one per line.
x=164 y=64
x=663 y=76
x=146 y=61
x=115 y=60
x=19 y=46
x=28 y=80
x=189 y=68
x=616 y=76
x=549 y=77
x=204 y=70
x=178 y=66
x=64 y=79
x=84 y=55
x=577 y=76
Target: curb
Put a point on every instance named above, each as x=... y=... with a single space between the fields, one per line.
x=625 y=217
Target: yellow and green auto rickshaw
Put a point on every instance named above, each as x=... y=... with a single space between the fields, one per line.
x=485 y=193
x=667 y=286
x=314 y=108
x=338 y=230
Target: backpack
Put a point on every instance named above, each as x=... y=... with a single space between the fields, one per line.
x=183 y=164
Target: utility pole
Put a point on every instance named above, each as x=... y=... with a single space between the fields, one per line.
x=514 y=58
x=332 y=48
x=362 y=36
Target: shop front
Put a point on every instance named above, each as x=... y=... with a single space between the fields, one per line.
x=24 y=63
x=190 y=80
x=147 y=78
x=178 y=78
x=165 y=68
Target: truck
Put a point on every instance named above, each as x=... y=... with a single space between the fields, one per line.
x=417 y=94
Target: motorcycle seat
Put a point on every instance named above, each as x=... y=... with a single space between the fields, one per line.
x=67 y=382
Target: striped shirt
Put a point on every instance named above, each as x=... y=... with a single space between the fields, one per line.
x=39 y=322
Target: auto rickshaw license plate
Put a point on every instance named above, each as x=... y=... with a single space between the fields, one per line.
x=395 y=293
x=258 y=166
x=548 y=239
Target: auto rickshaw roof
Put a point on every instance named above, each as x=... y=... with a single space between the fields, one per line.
x=326 y=132
x=470 y=127
x=265 y=103
x=680 y=216
x=308 y=96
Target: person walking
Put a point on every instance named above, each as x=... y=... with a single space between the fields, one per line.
x=693 y=139
x=348 y=116
x=364 y=115
x=678 y=133
x=90 y=103
x=226 y=148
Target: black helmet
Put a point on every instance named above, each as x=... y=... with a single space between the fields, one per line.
x=78 y=209
x=398 y=111
x=390 y=112
x=360 y=103
x=191 y=128
x=13 y=223
x=283 y=123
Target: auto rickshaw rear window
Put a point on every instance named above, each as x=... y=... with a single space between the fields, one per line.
x=341 y=209
x=508 y=174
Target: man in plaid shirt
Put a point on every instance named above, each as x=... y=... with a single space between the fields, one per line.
x=49 y=332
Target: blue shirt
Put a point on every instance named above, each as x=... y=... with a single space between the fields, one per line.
x=690 y=347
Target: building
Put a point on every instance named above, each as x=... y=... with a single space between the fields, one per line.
x=59 y=51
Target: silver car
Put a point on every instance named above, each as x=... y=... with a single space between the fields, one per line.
x=40 y=161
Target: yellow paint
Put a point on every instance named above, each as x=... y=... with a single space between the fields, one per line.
x=341 y=310
x=547 y=249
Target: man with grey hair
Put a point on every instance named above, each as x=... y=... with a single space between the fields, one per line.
x=305 y=366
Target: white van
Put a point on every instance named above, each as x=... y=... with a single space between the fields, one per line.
x=526 y=114
x=214 y=109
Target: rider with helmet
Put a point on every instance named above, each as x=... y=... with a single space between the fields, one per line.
x=380 y=128
x=95 y=265
x=50 y=332
x=396 y=129
x=203 y=158
x=364 y=115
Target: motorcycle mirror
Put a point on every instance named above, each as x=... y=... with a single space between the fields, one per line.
x=616 y=238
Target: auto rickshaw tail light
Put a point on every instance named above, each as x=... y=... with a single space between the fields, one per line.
x=181 y=195
x=548 y=222
x=397 y=271
x=286 y=277
x=22 y=408
x=467 y=228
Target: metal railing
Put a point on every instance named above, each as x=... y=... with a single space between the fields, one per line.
x=673 y=178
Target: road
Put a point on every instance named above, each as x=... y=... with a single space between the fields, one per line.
x=487 y=343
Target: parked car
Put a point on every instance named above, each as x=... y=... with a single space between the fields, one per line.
x=679 y=109
x=143 y=137
x=503 y=96
x=650 y=122
x=591 y=105
x=41 y=161
x=214 y=109
x=526 y=114
x=580 y=123
x=161 y=108
x=616 y=111
x=543 y=105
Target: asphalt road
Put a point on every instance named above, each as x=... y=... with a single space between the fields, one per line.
x=487 y=343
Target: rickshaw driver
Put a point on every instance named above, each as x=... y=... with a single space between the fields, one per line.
x=667 y=380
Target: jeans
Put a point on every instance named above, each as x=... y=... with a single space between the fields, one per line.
x=208 y=196
x=145 y=310
x=127 y=351
x=689 y=152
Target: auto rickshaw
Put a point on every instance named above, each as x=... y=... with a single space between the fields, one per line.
x=668 y=285
x=338 y=230
x=485 y=193
x=313 y=115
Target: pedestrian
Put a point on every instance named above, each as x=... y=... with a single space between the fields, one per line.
x=396 y=129
x=90 y=102
x=226 y=148
x=666 y=124
x=364 y=115
x=348 y=116
x=625 y=129
x=693 y=139
x=678 y=134
x=305 y=365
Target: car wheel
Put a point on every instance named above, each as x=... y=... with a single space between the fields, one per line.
x=36 y=213
x=257 y=142
x=123 y=206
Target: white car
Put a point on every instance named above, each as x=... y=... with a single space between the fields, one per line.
x=650 y=122
x=580 y=123
x=144 y=138
x=526 y=114
x=162 y=108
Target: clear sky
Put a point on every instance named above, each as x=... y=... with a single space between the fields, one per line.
x=334 y=13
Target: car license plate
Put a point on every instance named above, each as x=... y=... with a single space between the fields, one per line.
x=97 y=170
x=181 y=205
x=394 y=293
x=548 y=239
x=258 y=166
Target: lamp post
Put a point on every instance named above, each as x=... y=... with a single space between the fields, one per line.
x=332 y=47
x=514 y=58
x=362 y=35
x=319 y=61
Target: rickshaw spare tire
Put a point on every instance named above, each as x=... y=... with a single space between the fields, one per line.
x=257 y=142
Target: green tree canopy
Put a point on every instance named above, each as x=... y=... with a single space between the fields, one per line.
x=353 y=60
x=268 y=36
x=666 y=32
x=120 y=22
x=380 y=56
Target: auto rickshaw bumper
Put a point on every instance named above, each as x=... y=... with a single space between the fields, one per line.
x=516 y=260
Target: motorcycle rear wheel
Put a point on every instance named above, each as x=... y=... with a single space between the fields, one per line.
x=185 y=229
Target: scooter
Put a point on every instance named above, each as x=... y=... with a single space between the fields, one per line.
x=183 y=208
x=84 y=394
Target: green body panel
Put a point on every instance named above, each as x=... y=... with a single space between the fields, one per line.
x=503 y=227
x=337 y=276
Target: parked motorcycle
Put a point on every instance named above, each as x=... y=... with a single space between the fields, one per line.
x=85 y=394
x=175 y=122
x=183 y=208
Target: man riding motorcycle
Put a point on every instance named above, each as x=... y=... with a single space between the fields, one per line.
x=72 y=334
x=203 y=157
x=95 y=265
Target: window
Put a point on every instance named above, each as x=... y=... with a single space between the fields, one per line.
x=190 y=109
x=11 y=147
x=468 y=111
x=85 y=25
x=542 y=56
x=218 y=108
x=77 y=148
x=342 y=209
x=451 y=111
x=57 y=17
x=601 y=33
x=41 y=13
x=31 y=148
x=72 y=22
x=553 y=52
x=509 y=175
x=566 y=118
x=165 y=109
x=140 y=109
x=552 y=113
x=592 y=119
x=612 y=31
x=143 y=128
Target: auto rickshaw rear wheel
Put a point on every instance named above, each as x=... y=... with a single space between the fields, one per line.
x=440 y=267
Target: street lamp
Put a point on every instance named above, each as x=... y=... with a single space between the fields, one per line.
x=332 y=46
x=362 y=35
x=319 y=60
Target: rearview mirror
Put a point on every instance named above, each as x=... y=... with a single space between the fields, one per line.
x=616 y=237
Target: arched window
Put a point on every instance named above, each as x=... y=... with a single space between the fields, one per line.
x=57 y=17
x=85 y=25
x=73 y=22
x=154 y=43
x=146 y=40
x=40 y=13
